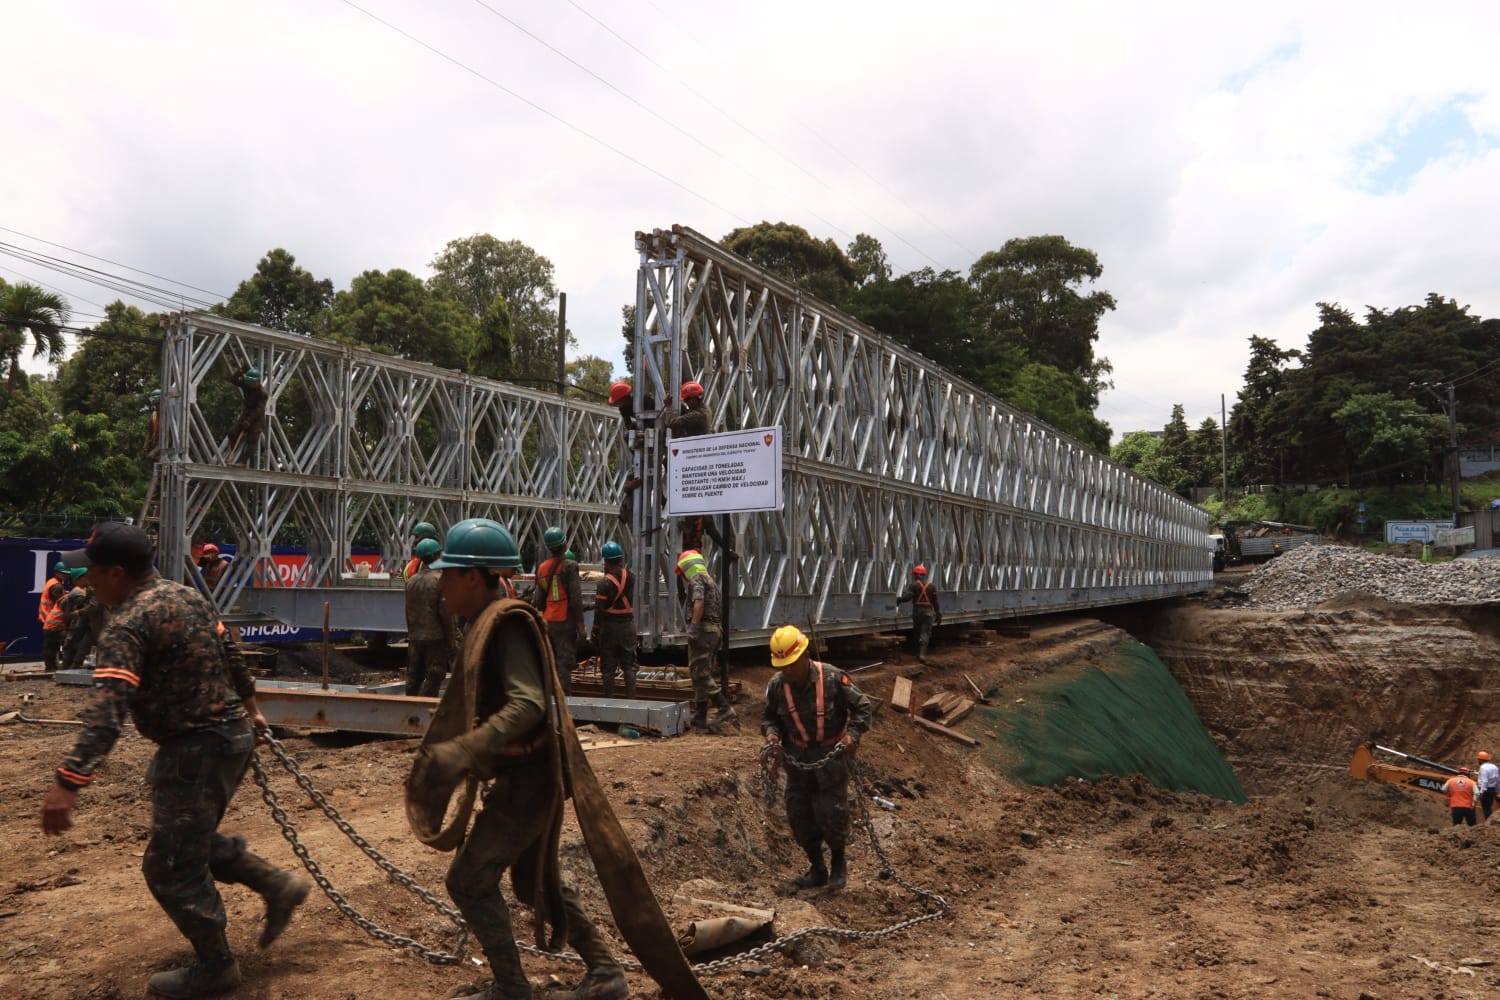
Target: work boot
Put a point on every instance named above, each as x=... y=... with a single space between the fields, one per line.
x=723 y=713
x=607 y=685
x=213 y=972
x=815 y=875
x=630 y=685
x=284 y=896
x=605 y=982
x=499 y=991
x=700 y=715
x=838 y=876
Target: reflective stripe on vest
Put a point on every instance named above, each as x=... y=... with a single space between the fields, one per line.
x=50 y=612
x=923 y=596
x=510 y=588
x=616 y=607
x=556 y=609
x=801 y=739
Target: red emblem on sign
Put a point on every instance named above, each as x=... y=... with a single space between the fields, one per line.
x=769 y=439
x=674 y=451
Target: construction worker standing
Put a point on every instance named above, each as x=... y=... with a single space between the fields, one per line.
x=817 y=715
x=151 y=450
x=167 y=660
x=558 y=595
x=705 y=624
x=1460 y=792
x=694 y=420
x=614 y=621
x=50 y=613
x=246 y=432
x=85 y=621
x=513 y=747
x=211 y=566
x=925 y=609
x=1488 y=784
x=419 y=531
x=429 y=627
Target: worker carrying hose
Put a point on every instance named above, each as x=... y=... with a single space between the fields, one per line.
x=813 y=708
x=1460 y=792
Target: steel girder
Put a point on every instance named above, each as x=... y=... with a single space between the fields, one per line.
x=359 y=447
x=890 y=460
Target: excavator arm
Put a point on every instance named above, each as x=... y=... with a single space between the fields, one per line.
x=1365 y=767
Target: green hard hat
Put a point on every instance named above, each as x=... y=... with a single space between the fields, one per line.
x=58 y=567
x=77 y=571
x=252 y=374
x=155 y=395
x=427 y=548
x=612 y=550
x=570 y=554
x=424 y=529
x=554 y=538
x=478 y=542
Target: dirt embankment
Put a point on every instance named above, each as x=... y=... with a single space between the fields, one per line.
x=1320 y=886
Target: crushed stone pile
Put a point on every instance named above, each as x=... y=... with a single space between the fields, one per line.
x=1308 y=576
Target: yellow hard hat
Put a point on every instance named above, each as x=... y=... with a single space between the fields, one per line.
x=787 y=644
x=691 y=563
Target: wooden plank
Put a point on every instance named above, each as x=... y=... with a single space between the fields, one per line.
x=902 y=695
x=974 y=687
x=941 y=730
x=764 y=916
x=934 y=706
x=958 y=714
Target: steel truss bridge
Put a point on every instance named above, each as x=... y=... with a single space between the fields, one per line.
x=889 y=460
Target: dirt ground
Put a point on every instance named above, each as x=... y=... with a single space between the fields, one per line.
x=1323 y=887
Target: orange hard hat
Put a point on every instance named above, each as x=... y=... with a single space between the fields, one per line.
x=919 y=570
x=1483 y=755
x=210 y=549
x=690 y=390
x=617 y=392
x=1463 y=770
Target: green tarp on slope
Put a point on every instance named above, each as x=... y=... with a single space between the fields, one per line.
x=1121 y=715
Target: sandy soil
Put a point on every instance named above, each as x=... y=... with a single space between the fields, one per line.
x=1326 y=887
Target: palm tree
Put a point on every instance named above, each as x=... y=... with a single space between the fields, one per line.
x=27 y=309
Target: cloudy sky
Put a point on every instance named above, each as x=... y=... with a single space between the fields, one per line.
x=1231 y=166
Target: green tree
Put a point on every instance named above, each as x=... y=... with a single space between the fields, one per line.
x=1258 y=426
x=281 y=295
x=1137 y=451
x=589 y=378
x=113 y=372
x=31 y=312
x=55 y=462
x=868 y=259
x=477 y=270
x=1389 y=438
x=1057 y=397
x=1031 y=293
x=1206 y=453
x=493 y=352
x=396 y=313
x=792 y=254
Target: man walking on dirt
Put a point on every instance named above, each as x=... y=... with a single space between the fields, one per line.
x=558 y=595
x=511 y=746
x=429 y=627
x=705 y=623
x=167 y=659
x=614 y=621
x=1460 y=792
x=925 y=609
x=817 y=715
x=1488 y=784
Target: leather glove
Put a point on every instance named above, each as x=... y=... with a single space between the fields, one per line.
x=693 y=628
x=850 y=743
x=452 y=759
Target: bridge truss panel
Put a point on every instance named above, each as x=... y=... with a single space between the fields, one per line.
x=358 y=447
x=889 y=460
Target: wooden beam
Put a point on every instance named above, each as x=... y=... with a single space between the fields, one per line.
x=941 y=730
x=902 y=696
x=958 y=714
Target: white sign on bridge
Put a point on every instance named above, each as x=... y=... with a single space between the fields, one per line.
x=731 y=473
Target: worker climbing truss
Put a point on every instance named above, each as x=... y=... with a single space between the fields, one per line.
x=358 y=448
x=889 y=460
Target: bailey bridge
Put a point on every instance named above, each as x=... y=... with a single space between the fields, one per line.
x=888 y=460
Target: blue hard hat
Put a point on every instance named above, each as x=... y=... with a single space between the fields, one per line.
x=612 y=550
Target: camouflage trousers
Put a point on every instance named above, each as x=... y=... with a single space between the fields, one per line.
x=701 y=651
x=817 y=802
x=617 y=652
x=507 y=835
x=564 y=637
x=192 y=779
x=427 y=663
x=76 y=648
x=52 y=644
x=921 y=627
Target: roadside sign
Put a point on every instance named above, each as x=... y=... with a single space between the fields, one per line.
x=731 y=473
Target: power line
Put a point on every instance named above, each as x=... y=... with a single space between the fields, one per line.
x=165 y=297
x=83 y=253
x=550 y=114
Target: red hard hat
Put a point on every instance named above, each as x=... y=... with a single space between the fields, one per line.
x=919 y=570
x=1463 y=770
x=618 y=391
x=691 y=390
x=210 y=549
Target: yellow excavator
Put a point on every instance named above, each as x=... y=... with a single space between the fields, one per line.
x=1426 y=776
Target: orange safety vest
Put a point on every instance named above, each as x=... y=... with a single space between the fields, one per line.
x=549 y=582
x=802 y=739
x=924 y=596
x=510 y=588
x=621 y=604
x=50 y=612
x=1460 y=792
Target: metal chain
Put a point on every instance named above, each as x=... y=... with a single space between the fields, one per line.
x=289 y=831
x=768 y=756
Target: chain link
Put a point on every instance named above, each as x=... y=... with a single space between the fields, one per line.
x=770 y=755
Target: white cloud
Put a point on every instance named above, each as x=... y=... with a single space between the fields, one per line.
x=1215 y=158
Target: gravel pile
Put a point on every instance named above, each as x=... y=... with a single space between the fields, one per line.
x=1308 y=576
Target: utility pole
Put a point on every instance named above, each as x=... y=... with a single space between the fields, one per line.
x=1224 y=445
x=1450 y=407
x=562 y=391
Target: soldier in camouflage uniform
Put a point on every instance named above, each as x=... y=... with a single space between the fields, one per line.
x=251 y=424
x=925 y=609
x=614 y=621
x=86 y=618
x=429 y=627
x=812 y=708
x=558 y=595
x=167 y=659
x=695 y=420
x=705 y=624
